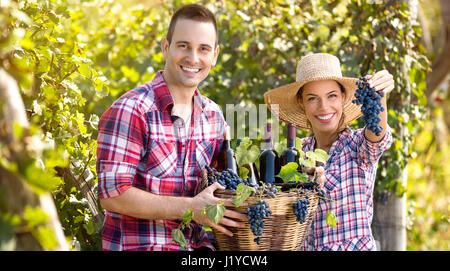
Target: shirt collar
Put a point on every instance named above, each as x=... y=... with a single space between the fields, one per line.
x=163 y=99
x=310 y=142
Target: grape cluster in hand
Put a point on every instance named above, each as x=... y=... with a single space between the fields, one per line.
x=226 y=178
x=371 y=105
x=301 y=210
x=255 y=215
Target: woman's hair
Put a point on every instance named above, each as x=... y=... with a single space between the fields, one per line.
x=192 y=12
x=341 y=128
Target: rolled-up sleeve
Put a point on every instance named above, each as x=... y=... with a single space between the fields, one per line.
x=370 y=152
x=122 y=133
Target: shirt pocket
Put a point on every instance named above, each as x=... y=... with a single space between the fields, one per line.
x=204 y=152
x=162 y=159
x=333 y=177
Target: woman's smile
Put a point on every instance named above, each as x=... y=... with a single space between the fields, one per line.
x=325 y=118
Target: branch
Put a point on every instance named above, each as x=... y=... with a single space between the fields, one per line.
x=18 y=194
x=82 y=185
x=441 y=64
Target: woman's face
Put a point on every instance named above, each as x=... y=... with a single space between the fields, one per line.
x=323 y=104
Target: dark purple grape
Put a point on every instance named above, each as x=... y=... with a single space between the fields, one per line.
x=370 y=101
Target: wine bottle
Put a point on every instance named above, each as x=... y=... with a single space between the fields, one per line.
x=253 y=176
x=269 y=162
x=290 y=154
x=227 y=153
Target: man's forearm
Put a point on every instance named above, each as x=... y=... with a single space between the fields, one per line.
x=145 y=205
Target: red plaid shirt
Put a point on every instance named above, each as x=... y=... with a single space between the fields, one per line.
x=350 y=173
x=140 y=144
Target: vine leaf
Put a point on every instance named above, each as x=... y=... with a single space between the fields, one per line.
x=320 y=155
x=289 y=173
x=215 y=212
x=307 y=162
x=246 y=153
x=242 y=193
x=177 y=234
x=317 y=155
x=243 y=172
x=331 y=219
x=187 y=217
x=178 y=237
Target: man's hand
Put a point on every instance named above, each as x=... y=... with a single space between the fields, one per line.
x=206 y=197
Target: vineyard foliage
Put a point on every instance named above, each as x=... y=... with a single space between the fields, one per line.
x=73 y=58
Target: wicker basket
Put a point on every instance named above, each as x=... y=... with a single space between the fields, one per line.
x=281 y=231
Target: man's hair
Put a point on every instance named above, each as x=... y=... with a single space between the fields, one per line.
x=192 y=12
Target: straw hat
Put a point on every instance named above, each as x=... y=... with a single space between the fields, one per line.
x=312 y=67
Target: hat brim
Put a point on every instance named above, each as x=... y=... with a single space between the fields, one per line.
x=290 y=111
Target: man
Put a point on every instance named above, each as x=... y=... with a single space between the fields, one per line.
x=154 y=142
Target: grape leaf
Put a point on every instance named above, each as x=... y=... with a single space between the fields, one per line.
x=242 y=193
x=298 y=144
x=85 y=70
x=331 y=219
x=289 y=173
x=178 y=237
x=320 y=155
x=239 y=188
x=246 y=153
x=280 y=147
x=303 y=177
x=307 y=162
x=187 y=217
x=215 y=212
x=243 y=172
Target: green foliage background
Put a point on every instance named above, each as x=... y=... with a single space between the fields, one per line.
x=73 y=58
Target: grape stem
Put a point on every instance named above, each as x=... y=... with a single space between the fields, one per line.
x=351 y=205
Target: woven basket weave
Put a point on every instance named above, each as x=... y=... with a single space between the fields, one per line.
x=281 y=230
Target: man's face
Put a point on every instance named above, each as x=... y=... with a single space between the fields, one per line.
x=190 y=55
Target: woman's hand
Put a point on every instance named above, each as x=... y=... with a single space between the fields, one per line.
x=320 y=175
x=381 y=80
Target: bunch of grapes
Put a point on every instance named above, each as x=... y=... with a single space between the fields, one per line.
x=255 y=215
x=301 y=209
x=270 y=190
x=371 y=104
x=311 y=186
x=226 y=178
x=230 y=180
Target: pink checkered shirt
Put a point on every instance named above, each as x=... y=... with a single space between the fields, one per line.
x=350 y=173
x=140 y=144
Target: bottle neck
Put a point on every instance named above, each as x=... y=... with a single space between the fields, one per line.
x=291 y=143
x=267 y=144
x=226 y=144
x=227 y=141
x=268 y=140
x=291 y=133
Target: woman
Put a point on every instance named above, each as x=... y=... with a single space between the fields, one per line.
x=321 y=100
